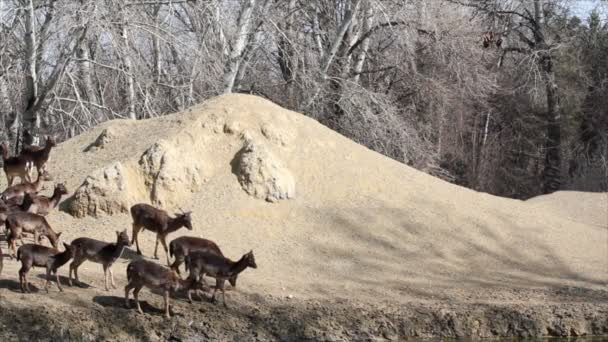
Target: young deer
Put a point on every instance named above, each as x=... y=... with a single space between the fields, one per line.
x=216 y=266
x=182 y=246
x=42 y=205
x=156 y=220
x=41 y=256
x=18 y=223
x=100 y=252
x=146 y=273
x=20 y=190
x=14 y=166
x=38 y=156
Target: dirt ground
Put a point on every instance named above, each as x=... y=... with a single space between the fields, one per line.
x=369 y=249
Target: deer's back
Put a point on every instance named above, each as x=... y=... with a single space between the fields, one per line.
x=149 y=273
x=209 y=263
x=148 y=216
x=185 y=245
x=92 y=249
x=36 y=255
x=27 y=221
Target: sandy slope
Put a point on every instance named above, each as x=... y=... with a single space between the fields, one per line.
x=362 y=227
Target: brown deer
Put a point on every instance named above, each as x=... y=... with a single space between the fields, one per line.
x=216 y=266
x=156 y=220
x=146 y=273
x=18 y=223
x=100 y=252
x=182 y=246
x=39 y=156
x=32 y=255
x=42 y=205
x=14 y=166
x=20 y=190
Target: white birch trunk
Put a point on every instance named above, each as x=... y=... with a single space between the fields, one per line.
x=367 y=25
x=238 y=45
x=331 y=54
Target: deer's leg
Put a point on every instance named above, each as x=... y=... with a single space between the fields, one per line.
x=136 y=229
x=219 y=283
x=176 y=264
x=163 y=240
x=111 y=277
x=14 y=247
x=48 y=279
x=127 y=290
x=25 y=282
x=22 y=280
x=36 y=237
x=78 y=260
x=166 y=298
x=136 y=296
x=105 y=277
x=156 y=248
x=58 y=282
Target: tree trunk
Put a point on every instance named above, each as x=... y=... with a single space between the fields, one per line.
x=367 y=25
x=31 y=118
x=238 y=46
x=551 y=175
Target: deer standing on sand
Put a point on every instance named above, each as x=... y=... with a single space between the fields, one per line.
x=18 y=223
x=14 y=166
x=101 y=252
x=156 y=220
x=182 y=246
x=42 y=205
x=20 y=190
x=38 y=156
x=146 y=273
x=218 y=267
x=40 y=256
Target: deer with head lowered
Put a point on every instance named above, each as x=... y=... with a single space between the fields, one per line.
x=156 y=220
x=42 y=256
x=42 y=205
x=216 y=266
x=182 y=246
x=14 y=166
x=18 y=223
x=20 y=190
x=101 y=252
x=38 y=156
x=146 y=273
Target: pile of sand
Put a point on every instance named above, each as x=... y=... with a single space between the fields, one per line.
x=360 y=226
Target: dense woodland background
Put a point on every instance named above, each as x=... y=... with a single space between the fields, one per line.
x=504 y=96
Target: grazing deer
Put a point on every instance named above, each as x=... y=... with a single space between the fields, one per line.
x=42 y=205
x=182 y=246
x=156 y=220
x=39 y=156
x=146 y=273
x=41 y=256
x=216 y=266
x=14 y=166
x=100 y=252
x=18 y=223
x=20 y=190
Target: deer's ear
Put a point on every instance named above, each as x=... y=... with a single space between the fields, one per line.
x=117 y=233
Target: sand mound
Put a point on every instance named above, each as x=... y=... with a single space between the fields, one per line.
x=362 y=227
x=585 y=207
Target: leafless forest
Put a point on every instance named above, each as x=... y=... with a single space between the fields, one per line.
x=504 y=96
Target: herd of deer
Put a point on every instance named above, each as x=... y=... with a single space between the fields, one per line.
x=23 y=211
